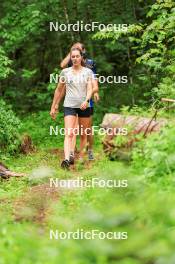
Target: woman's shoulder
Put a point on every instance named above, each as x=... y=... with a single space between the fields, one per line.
x=65 y=70
x=87 y=70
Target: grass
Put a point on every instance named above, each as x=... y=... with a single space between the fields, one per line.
x=145 y=210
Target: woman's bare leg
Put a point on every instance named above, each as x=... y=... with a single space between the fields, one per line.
x=90 y=137
x=73 y=145
x=69 y=124
x=84 y=130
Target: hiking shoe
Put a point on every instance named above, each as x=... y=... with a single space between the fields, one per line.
x=71 y=159
x=65 y=164
x=90 y=155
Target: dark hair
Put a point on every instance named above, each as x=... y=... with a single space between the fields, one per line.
x=81 y=53
x=81 y=44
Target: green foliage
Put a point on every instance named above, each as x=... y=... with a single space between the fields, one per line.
x=27 y=74
x=20 y=22
x=5 y=63
x=146 y=54
x=37 y=125
x=166 y=88
x=9 y=130
x=156 y=156
x=36 y=52
x=158 y=43
x=150 y=45
x=150 y=229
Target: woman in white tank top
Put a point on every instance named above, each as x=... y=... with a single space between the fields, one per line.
x=78 y=82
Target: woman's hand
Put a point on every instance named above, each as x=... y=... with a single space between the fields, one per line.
x=54 y=112
x=84 y=105
x=96 y=97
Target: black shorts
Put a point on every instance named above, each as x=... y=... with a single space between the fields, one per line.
x=92 y=110
x=77 y=111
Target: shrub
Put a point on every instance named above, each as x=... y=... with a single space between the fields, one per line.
x=9 y=130
x=156 y=154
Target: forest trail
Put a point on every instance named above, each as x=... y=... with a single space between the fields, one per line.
x=35 y=202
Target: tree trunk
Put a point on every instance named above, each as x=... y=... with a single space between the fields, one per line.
x=67 y=17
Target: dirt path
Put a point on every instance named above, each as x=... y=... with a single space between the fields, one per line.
x=34 y=205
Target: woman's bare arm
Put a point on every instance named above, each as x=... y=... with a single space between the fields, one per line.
x=89 y=90
x=65 y=61
x=84 y=105
x=95 y=90
x=95 y=86
x=58 y=95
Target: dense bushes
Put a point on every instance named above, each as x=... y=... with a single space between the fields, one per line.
x=9 y=130
x=156 y=156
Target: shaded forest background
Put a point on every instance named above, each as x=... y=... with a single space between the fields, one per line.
x=29 y=52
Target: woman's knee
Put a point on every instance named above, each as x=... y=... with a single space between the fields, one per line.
x=69 y=133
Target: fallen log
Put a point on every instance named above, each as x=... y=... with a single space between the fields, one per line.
x=5 y=173
x=168 y=100
x=135 y=125
x=136 y=122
